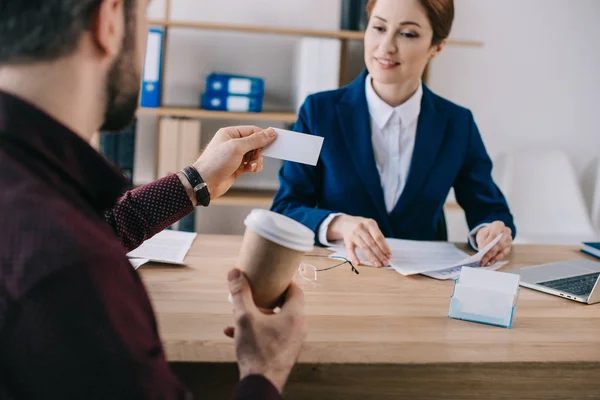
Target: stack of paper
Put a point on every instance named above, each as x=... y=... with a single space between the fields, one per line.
x=437 y=260
x=485 y=297
x=168 y=247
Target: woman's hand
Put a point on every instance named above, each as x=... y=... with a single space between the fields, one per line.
x=364 y=234
x=502 y=249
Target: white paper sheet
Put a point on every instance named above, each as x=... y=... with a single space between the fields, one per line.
x=454 y=273
x=138 y=262
x=168 y=247
x=486 y=302
x=294 y=146
x=485 y=296
x=501 y=282
x=411 y=257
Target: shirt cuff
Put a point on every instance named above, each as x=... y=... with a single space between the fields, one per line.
x=324 y=227
x=473 y=236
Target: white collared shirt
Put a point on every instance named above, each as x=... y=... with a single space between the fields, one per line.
x=393 y=134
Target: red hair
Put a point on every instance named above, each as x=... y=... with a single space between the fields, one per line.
x=440 y=14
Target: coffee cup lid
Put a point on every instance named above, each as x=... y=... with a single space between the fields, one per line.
x=280 y=229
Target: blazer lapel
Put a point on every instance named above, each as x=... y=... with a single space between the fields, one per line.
x=355 y=126
x=431 y=127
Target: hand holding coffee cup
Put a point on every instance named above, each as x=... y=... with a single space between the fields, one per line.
x=272 y=249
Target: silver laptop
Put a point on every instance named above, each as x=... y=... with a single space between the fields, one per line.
x=575 y=279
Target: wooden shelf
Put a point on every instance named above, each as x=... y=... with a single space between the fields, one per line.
x=236 y=197
x=352 y=35
x=264 y=199
x=340 y=34
x=207 y=114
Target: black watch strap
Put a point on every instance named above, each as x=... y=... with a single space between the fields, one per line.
x=198 y=185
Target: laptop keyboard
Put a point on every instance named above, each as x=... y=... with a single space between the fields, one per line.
x=578 y=285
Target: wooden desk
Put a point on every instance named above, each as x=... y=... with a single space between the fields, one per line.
x=380 y=335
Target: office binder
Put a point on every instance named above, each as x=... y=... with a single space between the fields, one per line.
x=226 y=84
x=127 y=150
x=151 y=85
x=592 y=248
x=317 y=67
x=119 y=149
x=234 y=103
x=168 y=146
x=187 y=223
x=354 y=15
x=109 y=147
x=188 y=143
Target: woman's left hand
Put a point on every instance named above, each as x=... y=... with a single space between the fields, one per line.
x=502 y=249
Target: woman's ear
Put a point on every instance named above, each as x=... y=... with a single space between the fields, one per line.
x=437 y=49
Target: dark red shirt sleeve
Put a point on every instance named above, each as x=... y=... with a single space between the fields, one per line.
x=142 y=213
x=75 y=319
x=83 y=333
x=87 y=331
x=256 y=387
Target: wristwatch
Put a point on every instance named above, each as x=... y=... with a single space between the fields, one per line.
x=198 y=185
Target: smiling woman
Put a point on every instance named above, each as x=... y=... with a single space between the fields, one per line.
x=439 y=12
x=393 y=149
x=400 y=40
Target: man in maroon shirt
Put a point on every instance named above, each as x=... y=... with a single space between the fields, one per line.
x=75 y=320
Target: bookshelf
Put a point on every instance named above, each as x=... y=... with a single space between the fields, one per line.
x=247 y=198
x=339 y=34
x=259 y=198
x=199 y=113
x=352 y=35
x=264 y=199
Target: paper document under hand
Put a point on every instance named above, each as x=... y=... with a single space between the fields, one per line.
x=442 y=260
x=454 y=273
x=168 y=247
x=294 y=146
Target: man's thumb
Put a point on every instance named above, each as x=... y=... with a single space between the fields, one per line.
x=257 y=140
x=241 y=294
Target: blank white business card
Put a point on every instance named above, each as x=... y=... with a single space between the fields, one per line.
x=294 y=146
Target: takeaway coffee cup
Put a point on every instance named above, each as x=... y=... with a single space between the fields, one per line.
x=272 y=249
